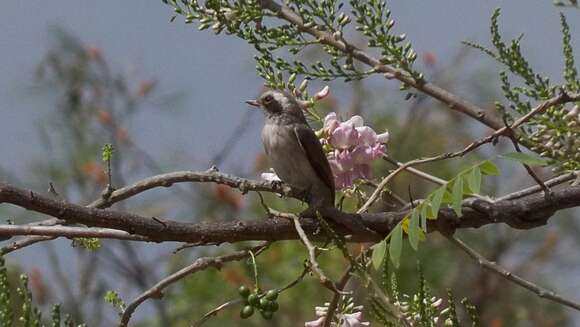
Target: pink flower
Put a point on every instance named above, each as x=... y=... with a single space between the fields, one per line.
x=343 y=180
x=322 y=93
x=378 y=150
x=331 y=122
x=344 y=136
x=361 y=172
x=366 y=135
x=354 y=320
x=356 y=120
x=384 y=137
x=363 y=154
x=353 y=147
x=315 y=323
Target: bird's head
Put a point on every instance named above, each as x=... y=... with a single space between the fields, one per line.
x=278 y=104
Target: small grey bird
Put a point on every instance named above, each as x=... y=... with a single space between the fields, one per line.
x=293 y=149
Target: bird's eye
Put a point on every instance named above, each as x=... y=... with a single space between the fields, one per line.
x=268 y=99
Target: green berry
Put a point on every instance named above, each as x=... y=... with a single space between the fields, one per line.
x=267 y=314
x=253 y=299
x=247 y=311
x=264 y=303
x=244 y=291
x=273 y=306
x=272 y=295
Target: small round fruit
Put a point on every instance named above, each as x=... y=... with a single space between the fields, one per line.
x=273 y=305
x=264 y=303
x=253 y=299
x=247 y=311
x=272 y=295
x=267 y=314
x=244 y=291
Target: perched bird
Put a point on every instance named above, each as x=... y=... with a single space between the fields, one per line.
x=293 y=149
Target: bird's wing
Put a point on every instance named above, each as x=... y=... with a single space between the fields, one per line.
x=313 y=150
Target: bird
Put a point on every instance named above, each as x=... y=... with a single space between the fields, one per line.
x=293 y=149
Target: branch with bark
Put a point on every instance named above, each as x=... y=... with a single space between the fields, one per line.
x=521 y=213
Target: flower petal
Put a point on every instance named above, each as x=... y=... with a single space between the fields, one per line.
x=361 y=172
x=331 y=122
x=357 y=121
x=315 y=323
x=384 y=137
x=362 y=154
x=322 y=93
x=344 y=136
x=366 y=135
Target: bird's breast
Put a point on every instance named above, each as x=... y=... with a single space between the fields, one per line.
x=286 y=155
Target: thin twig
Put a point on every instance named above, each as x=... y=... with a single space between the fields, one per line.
x=511 y=135
x=312 y=253
x=197 y=265
x=230 y=303
x=495 y=268
x=69 y=232
x=534 y=189
x=215 y=311
x=453 y=101
x=560 y=99
x=341 y=284
x=17 y=245
x=416 y=172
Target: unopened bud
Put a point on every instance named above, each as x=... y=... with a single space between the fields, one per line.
x=322 y=93
x=303 y=86
x=343 y=19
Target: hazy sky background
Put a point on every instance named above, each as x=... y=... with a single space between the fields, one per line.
x=216 y=73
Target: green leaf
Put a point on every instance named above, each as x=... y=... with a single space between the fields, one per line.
x=489 y=168
x=107 y=152
x=474 y=180
x=457 y=195
x=396 y=245
x=525 y=158
x=379 y=250
x=413 y=229
x=436 y=199
x=424 y=216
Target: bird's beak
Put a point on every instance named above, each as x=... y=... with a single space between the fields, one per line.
x=253 y=103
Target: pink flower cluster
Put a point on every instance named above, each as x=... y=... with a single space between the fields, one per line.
x=351 y=148
x=353 y=319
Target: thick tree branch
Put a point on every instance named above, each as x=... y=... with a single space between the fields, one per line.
x=163 y=180
x=523 y=213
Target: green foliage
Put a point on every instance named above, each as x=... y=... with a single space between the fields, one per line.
x=396 y=244
x=566 y=3
x=89 y=243
x=525 y=158
x=554 y=133
x=247 y=20
x=6 y=310
x=113 y=298
x=570 y=71
x=466 y=183
x=107 y=152
x=419 y=309
x=26 y=313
